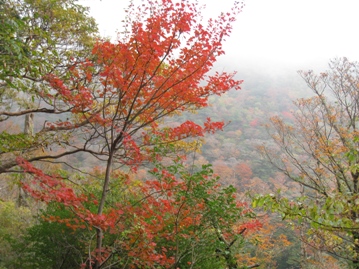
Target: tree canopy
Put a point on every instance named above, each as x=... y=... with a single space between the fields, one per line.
x=319 y=150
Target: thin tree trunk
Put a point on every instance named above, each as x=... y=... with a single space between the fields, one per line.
x=105 y=189
x=29 y=131
x=29 y=124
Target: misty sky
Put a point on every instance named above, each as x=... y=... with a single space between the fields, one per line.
x=271 y=32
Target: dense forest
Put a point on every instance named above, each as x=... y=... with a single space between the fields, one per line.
x=137 y=153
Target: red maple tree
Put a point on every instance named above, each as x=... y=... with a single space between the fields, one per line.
x=158 y=68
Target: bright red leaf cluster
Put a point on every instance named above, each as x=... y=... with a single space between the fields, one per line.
x=159 y=67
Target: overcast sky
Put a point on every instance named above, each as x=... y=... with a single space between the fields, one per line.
x=271 y=32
